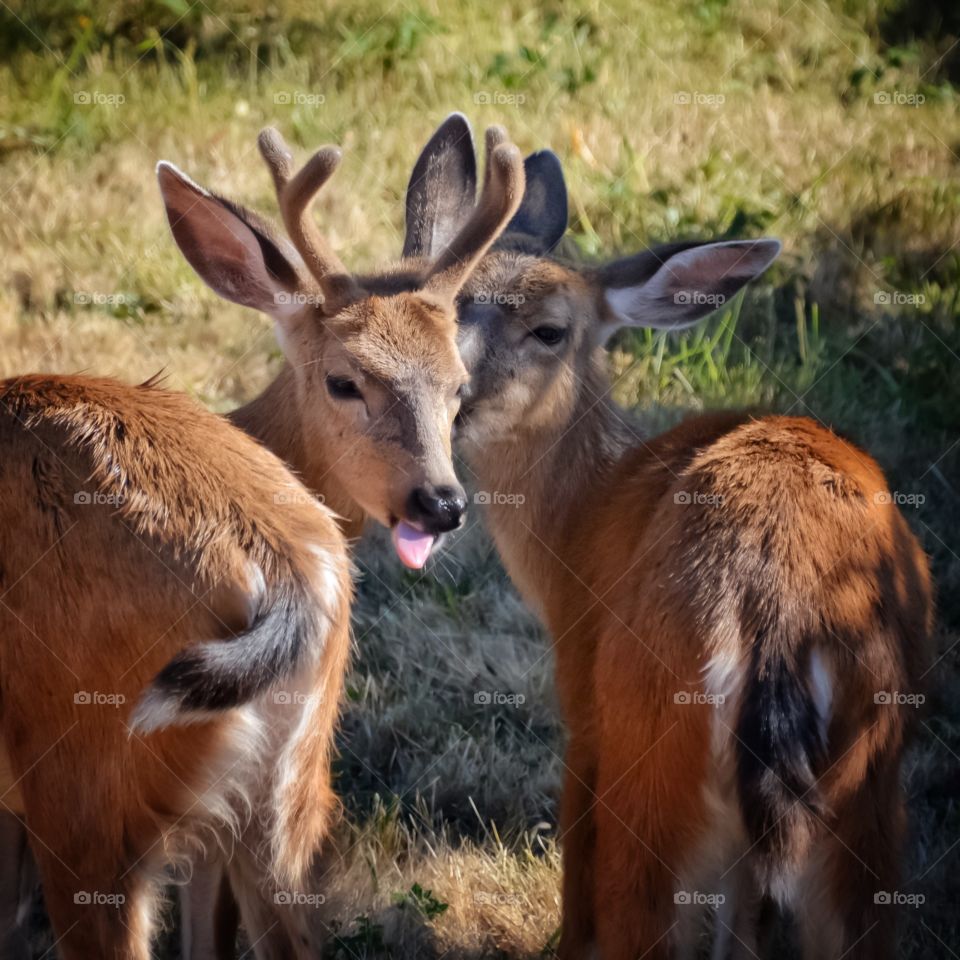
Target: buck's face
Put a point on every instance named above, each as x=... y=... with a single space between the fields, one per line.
x=378 y=376
x=381 y=393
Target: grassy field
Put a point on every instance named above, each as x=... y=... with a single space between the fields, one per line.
x=833 y=125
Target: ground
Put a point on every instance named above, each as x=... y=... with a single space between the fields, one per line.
x=832 y=125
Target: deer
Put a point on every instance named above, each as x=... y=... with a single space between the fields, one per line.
x=739 y=611
x=360 y=418
x=416 y=385
x=138 y=530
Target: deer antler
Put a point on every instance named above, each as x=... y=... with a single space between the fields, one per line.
x=503 y=185
x=294 y=194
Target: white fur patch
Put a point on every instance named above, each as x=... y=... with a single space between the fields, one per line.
x=821 y=685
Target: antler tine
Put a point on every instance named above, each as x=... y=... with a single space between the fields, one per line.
x=294 y=195
x=503 y=185
x=492 y=138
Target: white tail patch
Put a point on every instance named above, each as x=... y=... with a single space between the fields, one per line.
x=821 y=687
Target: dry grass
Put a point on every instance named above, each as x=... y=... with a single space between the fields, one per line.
x=784 y=134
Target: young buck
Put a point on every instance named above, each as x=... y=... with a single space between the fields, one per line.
x=362 y=411
x=729 y=602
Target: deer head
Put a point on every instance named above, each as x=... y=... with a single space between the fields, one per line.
x=376 y=377
x=531 y=329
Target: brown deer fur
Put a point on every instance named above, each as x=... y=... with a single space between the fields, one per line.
x=739 y=611
x=742 y=560
x=131 y=524
x=390 y=333
x=362 y=411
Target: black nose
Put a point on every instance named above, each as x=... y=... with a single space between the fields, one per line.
x=437 y=509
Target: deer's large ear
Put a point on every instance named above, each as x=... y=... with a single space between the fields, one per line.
x=542 y=218
x=442 y=188
x=232 y=250
x=674 y=286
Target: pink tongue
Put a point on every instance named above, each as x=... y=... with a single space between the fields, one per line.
x=413 y=546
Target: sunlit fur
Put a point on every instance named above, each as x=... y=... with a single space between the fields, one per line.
x=130 y=524
x=393 y=337
x=754 y=560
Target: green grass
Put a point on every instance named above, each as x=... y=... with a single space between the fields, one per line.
x=833 y=125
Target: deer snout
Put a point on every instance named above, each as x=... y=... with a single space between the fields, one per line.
x=438 y=509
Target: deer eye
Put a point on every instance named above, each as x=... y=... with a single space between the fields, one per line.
x=548 y=336
x=343 y=388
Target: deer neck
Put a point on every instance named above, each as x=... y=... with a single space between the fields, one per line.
x=538 y=482
x=275 y=419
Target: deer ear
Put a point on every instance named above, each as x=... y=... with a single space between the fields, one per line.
x=674 y=286
x=232 y=250
x=541 y=221
x=442 y=188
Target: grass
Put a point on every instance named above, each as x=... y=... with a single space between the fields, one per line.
x=833 y=125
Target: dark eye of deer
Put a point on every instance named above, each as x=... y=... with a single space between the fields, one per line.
x=343 y=388
x=549 y=336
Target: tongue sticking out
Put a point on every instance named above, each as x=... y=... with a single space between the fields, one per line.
x=413 y=546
